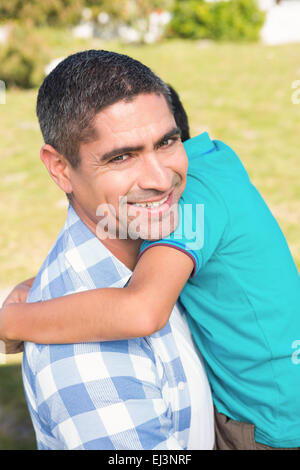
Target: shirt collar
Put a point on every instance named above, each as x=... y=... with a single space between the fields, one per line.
x=198 y=145
x=86 y=253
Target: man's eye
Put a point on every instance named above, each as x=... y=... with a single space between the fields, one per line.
x=120 y=158
x=167 y=142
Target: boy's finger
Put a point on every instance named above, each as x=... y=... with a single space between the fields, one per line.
x=14 y=347
x=17 y=295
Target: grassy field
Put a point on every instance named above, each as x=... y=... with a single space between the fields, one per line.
x=239 y=93
x=16 y=432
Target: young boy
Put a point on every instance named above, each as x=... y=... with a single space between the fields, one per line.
x=240 y=289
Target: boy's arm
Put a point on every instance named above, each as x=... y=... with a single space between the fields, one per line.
x=19 y=292
x=138 y=310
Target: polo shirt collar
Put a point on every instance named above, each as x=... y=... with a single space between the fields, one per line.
x=199 y=145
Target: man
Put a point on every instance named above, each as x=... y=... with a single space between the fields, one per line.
x=143 y=393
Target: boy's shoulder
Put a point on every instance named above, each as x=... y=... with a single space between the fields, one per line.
x=215 y=172
x=212 y=157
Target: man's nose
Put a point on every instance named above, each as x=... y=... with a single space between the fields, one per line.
x=154 y=174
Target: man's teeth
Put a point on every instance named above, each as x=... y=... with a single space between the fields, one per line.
x=152 y=204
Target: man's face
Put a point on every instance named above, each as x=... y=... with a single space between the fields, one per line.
x=133 y=175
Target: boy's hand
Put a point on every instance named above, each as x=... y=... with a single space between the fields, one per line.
x=13 y=347
x=19 y=293
x=8 y=346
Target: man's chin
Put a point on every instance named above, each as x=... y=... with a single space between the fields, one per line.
x=156 y=231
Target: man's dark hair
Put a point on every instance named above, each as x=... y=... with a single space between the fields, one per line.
x=80 y=87
x=180 y=115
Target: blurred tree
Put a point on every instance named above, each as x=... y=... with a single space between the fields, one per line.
x=37 y=12
x=23 y=58
x=128 y=10
x=229 y=20
x=63 y=12
x=131 y=20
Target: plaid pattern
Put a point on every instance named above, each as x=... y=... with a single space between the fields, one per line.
x=104 y=395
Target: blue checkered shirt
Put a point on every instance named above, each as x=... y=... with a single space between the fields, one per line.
x=102 y=395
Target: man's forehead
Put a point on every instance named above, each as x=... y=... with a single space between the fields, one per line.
x=145 y=117
x=139 y=110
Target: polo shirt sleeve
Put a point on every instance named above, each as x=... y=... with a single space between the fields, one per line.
x=203 y=218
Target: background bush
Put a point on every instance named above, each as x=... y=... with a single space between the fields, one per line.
x=233 y=20
x=60 y=13
x=40 y=13
x=23 y=58
x=128 y=10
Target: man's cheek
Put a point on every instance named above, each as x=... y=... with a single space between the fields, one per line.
x=182 y=165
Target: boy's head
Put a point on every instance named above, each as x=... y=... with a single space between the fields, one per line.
x=180 y=115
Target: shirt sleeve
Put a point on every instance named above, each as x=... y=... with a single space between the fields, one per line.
x=103 y=396
x=202 y=222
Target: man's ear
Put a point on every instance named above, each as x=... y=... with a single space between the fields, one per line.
x=57 y=166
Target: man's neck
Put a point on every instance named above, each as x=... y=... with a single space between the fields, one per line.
x=126 y=251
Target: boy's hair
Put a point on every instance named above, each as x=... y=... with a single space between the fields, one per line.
x=80 y=87
x=180 y=115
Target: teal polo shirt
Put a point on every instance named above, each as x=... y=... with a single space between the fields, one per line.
x=243 y=299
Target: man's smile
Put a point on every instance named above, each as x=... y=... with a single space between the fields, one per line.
x=154 y=206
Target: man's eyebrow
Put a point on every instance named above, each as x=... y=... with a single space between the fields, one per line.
x=119 y=151
x=123 y=150
x=172 y=133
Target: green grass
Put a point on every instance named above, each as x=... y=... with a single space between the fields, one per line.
x=239 y=93
x=16 y=431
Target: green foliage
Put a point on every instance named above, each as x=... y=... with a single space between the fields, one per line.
x=60 y=13
x=22 y=59
x=128 y=11
x=233 y=20
x=37 y=12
